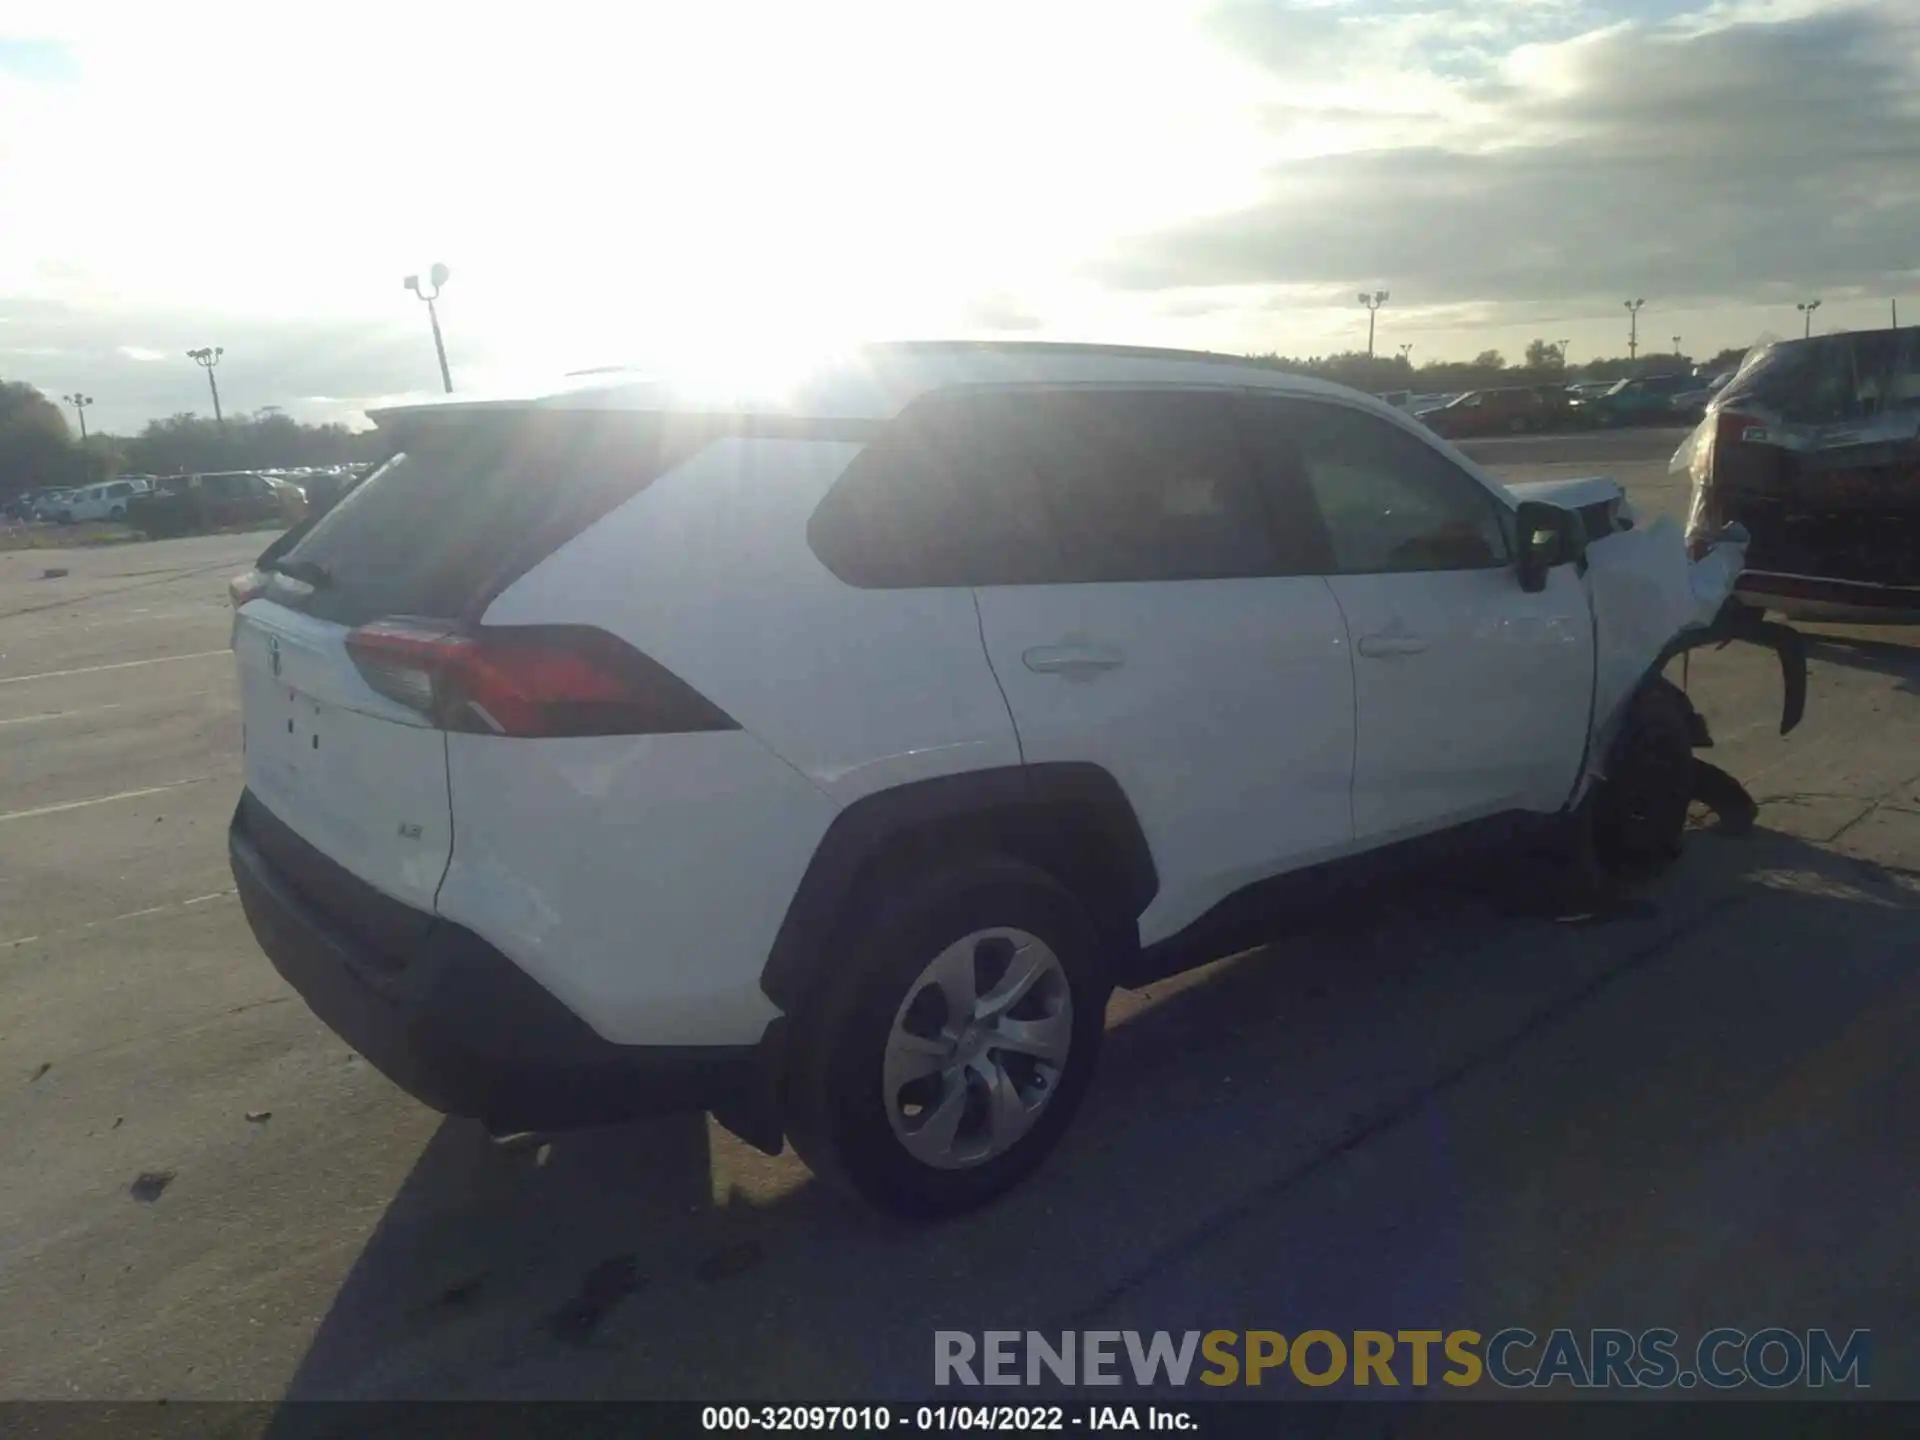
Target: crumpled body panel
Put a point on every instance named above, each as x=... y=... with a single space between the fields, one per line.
x=1645 y=592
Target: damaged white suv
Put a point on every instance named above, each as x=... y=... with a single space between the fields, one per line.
x=822 y=758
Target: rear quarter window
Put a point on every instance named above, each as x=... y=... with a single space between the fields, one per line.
x=469 y=502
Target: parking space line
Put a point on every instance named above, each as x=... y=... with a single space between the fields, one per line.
x=116 y=665
x=99 y=800
x=59 y=714
x=116 y=919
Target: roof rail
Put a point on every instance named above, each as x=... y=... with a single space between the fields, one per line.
x=1064 y=347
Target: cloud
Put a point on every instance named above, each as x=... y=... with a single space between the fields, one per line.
x=1695 y=164
x=318 y=370
x=1000 y=311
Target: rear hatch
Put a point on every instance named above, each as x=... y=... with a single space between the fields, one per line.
x=344 y=725
x=359 y=776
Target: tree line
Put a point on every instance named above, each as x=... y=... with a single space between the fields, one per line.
x=1542 y=365
x=39 y=448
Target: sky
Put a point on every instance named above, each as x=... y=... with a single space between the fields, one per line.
x=736 y=183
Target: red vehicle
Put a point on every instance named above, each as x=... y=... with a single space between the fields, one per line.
x=1513 y=410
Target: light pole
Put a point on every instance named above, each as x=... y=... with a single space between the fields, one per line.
x=1373 y=303
x=1633 y=326
x=1676 y=347
x=80 y=403
x=1806 y=308
x=1561 y=346
x=206 y=357
x=1405 y=351
x=436 y=277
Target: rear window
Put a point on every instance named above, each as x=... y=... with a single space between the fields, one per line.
x=1826 y=380
x=468 y=503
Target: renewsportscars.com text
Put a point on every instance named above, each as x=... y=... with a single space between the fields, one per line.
x=1721 y=1359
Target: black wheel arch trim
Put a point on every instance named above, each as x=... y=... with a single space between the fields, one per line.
x=1075 y=809
x=1737 y=621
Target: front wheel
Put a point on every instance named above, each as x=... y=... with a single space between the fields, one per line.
x=1640 y=809
x=960 y=1027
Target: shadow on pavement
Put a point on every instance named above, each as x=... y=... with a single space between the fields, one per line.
x=1879 y=657
x=1229 y=1097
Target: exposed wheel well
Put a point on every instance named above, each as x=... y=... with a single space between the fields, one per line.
x=1071 y=820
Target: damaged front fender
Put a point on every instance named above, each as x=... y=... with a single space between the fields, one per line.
x=1651 y=602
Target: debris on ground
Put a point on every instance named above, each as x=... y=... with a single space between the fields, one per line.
x=43 y=1068
x=259 y=1117
x=462 y=1293
x=732 y=1261
x=149 y=1185
x=54 y=572
x=601 y=1290
x=1714 y=788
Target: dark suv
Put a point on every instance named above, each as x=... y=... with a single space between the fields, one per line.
x=193 y=504
x=1814 y=446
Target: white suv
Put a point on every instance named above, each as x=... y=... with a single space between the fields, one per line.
x=822 y=759
x=105 y=501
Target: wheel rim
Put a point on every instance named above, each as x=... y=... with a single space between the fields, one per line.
x=977 y=1048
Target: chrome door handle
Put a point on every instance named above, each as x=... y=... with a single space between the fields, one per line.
x=1076 y=662
x=1380 y=646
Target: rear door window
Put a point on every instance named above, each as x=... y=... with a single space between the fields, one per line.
x=469 y=502
x=1148 y=485
x=1034 y=487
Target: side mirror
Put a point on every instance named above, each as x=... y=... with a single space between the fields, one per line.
x=1548 y=536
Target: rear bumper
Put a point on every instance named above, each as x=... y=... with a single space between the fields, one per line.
x=458 y=1025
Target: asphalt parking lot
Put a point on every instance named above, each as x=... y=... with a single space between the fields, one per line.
x=1695 y=1113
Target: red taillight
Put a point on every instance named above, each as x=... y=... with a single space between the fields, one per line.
x=242 y=588
x=528 y=681
x=1722 y=460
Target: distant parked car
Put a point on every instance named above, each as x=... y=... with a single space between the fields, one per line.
x=1814 y=447
x=1513 y=410
x=105 y=501
x=326 y=488
x=1645 y=400
x=1692 y=404
x=46 y=505
x=192 y=504
x=292 y=498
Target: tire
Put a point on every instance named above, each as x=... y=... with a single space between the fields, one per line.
x=1640 y=810
x=840 y=1115
x=118 y=512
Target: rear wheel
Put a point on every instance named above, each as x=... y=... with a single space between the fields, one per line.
x=958 y=1033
